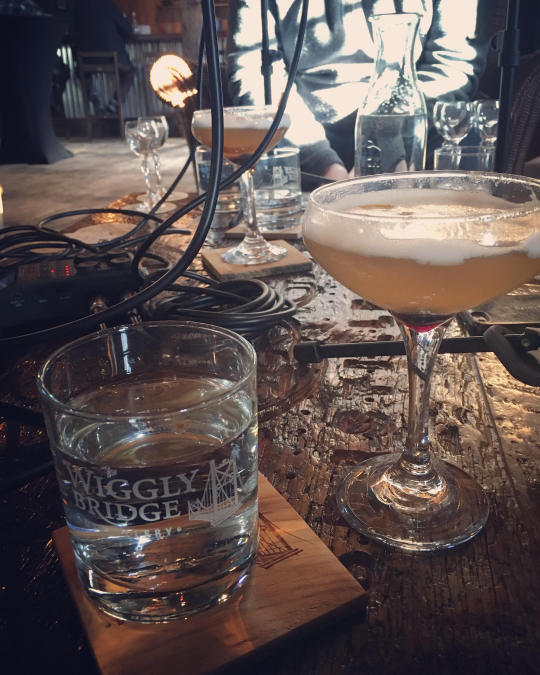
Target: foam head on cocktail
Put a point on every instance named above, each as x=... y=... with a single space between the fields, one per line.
x=244 y=129
x=423 y=246
x=425 y=254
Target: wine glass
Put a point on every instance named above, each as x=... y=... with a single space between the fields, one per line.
x=244 y=129
x=163 y=134
x=142 y=137
x=452 y=120
x=425 y=246
x=486 y=119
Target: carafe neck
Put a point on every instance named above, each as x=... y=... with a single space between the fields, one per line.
x=394 y=36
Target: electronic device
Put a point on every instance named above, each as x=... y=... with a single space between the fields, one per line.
x=49 y=292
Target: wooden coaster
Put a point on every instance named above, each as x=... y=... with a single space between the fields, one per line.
x=294 y=261
x=296 y=584
x=292 y=233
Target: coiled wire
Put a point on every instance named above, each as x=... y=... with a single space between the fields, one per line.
x=248 y=306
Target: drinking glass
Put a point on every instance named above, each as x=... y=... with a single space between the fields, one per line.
x=244 y=129
x=486 y=118
x=464 y=158
x=144 y=136
x=163 y=134
x=452 y=120
x=278 y=191
x=153 y=431
x=424 y=246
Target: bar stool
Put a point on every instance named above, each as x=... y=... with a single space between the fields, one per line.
x=102 y=68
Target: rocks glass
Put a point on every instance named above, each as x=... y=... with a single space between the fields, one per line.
x=153 y=430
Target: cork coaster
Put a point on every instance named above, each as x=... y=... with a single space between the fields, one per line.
x=294 y=261
x=295 y=586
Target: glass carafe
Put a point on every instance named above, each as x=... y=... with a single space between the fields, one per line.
x=391 y=125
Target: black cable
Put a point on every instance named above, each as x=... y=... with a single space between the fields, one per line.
x=315 y=177
x=266 y=57
x=151 y=215
x=248 y=307
x=91 y=321
x=209 y=198
x=258 y=152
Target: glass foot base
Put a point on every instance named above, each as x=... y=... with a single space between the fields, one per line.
x=166 y=207
x=375 y=505
x=254 y=253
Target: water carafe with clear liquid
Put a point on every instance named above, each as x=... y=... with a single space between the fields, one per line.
x=391 y=125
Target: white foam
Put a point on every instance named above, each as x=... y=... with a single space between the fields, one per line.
x=236 y=119
x=423 y=234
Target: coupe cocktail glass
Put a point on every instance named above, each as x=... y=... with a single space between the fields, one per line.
x=244 y=129
x=424 y=246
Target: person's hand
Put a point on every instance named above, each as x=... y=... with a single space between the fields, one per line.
x=336 y=172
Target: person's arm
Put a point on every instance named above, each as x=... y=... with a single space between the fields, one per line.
x=454 y=53
x=246 y=86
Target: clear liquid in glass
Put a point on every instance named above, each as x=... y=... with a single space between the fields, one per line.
x=156 y=514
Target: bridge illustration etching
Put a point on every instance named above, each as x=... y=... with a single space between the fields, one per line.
x=272 y=547
x=220 y=497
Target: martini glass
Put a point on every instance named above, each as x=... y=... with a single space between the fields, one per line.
x=244 y=129
x=424 y=246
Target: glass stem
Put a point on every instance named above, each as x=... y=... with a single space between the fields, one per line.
x=456 y=156
x=421 y=349
x=250 y=214
x=149 y=174
x=157 y=170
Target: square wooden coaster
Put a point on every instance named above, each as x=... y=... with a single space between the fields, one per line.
x=294 y=261
x=296 y=584
x=292 y=233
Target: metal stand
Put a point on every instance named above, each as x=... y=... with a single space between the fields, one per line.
x=509 y=56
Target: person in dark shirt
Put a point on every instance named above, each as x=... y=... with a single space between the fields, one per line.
x=100 y=26
x=337 y=62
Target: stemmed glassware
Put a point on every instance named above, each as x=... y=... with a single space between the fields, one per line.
x=163 y=134
x=425 y=246
x=144 y=137
x=453 y=121
x=486 y=120
x=244 y=129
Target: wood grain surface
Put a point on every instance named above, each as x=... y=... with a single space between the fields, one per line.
x=292 y=263
x=282 y=600
x=473 y=609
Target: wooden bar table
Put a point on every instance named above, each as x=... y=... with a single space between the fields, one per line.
x=473 y=609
